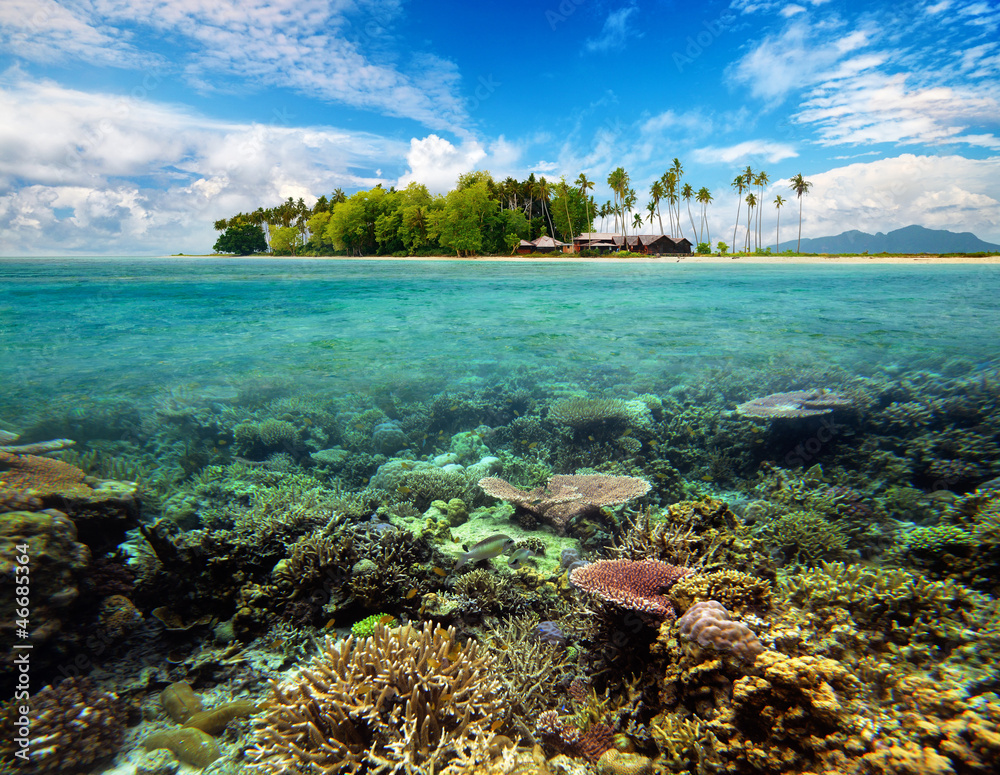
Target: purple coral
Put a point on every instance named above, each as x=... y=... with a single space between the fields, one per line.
x=708 y=624
x=550 y=632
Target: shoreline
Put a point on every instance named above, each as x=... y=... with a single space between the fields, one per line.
x=678 y=259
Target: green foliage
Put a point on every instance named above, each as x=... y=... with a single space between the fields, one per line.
x=723 y=247
x=241 y=240
x=460 y=224
x=703 y=249
x=286 y=240
x=570 y=212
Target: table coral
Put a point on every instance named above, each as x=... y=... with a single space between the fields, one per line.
x=567 y=496
x=637 y=586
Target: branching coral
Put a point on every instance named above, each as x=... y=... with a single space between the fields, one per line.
x=405 y=699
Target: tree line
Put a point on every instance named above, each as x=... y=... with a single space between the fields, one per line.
x=484 y=216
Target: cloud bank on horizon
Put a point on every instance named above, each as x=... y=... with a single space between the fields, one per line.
x=127 y=128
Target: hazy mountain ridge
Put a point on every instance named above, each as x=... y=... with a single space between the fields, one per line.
x=909 y=239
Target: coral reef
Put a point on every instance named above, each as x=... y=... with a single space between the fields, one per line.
x=708 y=624
x=405 y=698
x=73 y=725
x=797 y=403
x=635 y=586
x=565 y=497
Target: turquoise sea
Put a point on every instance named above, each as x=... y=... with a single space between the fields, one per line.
x=726 y=518
x=128 y=326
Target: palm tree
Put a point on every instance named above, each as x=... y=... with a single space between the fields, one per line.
x=656 y=191
x=686 y=193
x=678 y=171
x=760 y=180
x=564 y=193
x=738 y=185
x=628 y=202
x=585 y=185
x=637 y=223
x=751 y=204
x=705 y=197
x=651 y=209
x=542 y=189
x=618 y=180
x=800 y=186
x=778 y=202
x=669 y=182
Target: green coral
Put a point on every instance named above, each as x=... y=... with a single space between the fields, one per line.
x=367 y=626
x=938 y=539
x=804 y=536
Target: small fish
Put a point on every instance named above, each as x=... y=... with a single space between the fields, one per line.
x=661 y=476
x=406 y=466
x=654 y=443
x=439 y=571
x=517 y=413
x=412 y=593
x=488 y=547
x=518 y=556
x=532 y=445
x=706 y=478
x=591 y=438
x=403 y=490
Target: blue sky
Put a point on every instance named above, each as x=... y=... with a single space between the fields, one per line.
x=128 y=126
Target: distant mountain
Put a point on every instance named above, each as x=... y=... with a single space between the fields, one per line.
x=910 y=239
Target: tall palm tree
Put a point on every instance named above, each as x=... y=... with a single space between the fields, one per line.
x=686 y=193
x=585 y=185
x=738 y=185
x=628 y=202
x=704 y=196
x=618 y=181
x=800 y=186
x=760 y=180
x=651 y=209
x=669 y=182
x=637 y=222
x=778 y=202
x=656 y=191
x=678 y=171
x=751 y=204
x=564 y=193
x=542 y=189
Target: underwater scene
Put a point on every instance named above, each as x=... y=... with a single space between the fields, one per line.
x=434 y=517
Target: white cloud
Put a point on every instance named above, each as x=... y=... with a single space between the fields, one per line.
x=329 y=51
x=437 y=163
x=616 y=31
x=938 y=192
x=749 y=150
x=873 y=107
x=791 y=9
x=138 y=177
x=799 y=56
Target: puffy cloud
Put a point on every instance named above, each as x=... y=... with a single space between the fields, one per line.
x=938 y=192
x=101 y=174
x=437 y=163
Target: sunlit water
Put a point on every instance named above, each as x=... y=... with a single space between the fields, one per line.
x=128 y=326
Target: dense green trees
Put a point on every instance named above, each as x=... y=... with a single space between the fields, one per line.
x=479 y=216
x=241 y=239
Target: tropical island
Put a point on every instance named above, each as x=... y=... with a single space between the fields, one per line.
x=482 y=216
x=534 y=218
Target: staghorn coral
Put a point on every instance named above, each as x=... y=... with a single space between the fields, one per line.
x=708 y=624
x=403 y=699
x=73 y=725
x=567 y=496
x=636 y=586
x=735 y=590
x=804 y=536
x=797 y=403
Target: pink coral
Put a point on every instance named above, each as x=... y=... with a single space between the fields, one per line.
x=567 y=496
x=636 y=585
x=797 y=403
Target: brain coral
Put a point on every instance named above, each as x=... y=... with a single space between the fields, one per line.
x=708 y=624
